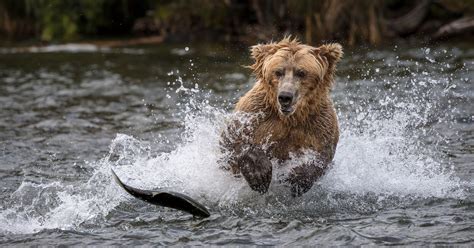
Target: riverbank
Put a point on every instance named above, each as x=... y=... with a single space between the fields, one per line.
x=363 y=22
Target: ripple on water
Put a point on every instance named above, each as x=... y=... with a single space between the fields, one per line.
x=389 y=183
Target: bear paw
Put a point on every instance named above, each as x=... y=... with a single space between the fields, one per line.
x=300 y=181
x=256 y=169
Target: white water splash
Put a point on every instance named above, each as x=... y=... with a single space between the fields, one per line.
x=387 y=162
x=58 y=205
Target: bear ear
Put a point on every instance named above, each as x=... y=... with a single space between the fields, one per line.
x=332 y=52
x=259 y=53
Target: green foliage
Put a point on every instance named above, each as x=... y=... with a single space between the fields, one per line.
x=59 y=20
x=65 y=20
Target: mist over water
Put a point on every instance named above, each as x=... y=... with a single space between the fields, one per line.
x=399 y=113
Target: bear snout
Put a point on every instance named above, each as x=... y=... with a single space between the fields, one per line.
x=286 y=100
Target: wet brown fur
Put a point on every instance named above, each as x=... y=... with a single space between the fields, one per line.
x=313 y=125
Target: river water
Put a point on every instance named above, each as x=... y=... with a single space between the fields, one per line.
x=402 y=174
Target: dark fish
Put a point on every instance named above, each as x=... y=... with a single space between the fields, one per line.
x=166 y=199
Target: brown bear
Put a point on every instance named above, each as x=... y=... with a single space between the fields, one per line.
x=291 y=112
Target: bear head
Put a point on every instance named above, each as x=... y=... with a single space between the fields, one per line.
x=296 y=75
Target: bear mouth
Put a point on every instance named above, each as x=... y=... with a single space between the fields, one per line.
x=287 y=111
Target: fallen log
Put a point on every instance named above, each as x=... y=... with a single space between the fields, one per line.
x=457 y=27
x=87 y=46
x=130 y=42
x=409 y=22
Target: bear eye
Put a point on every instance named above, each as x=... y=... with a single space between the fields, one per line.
x=279 y=73
x=300 y=73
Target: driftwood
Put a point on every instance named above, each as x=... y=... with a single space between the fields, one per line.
x=130 y=42
x=89 y=46
x=459 y=26
x=409 y=22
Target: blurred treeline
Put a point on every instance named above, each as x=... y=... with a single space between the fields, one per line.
x=348 y=21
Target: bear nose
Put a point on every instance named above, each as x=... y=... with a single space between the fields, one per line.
x=285 y=98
